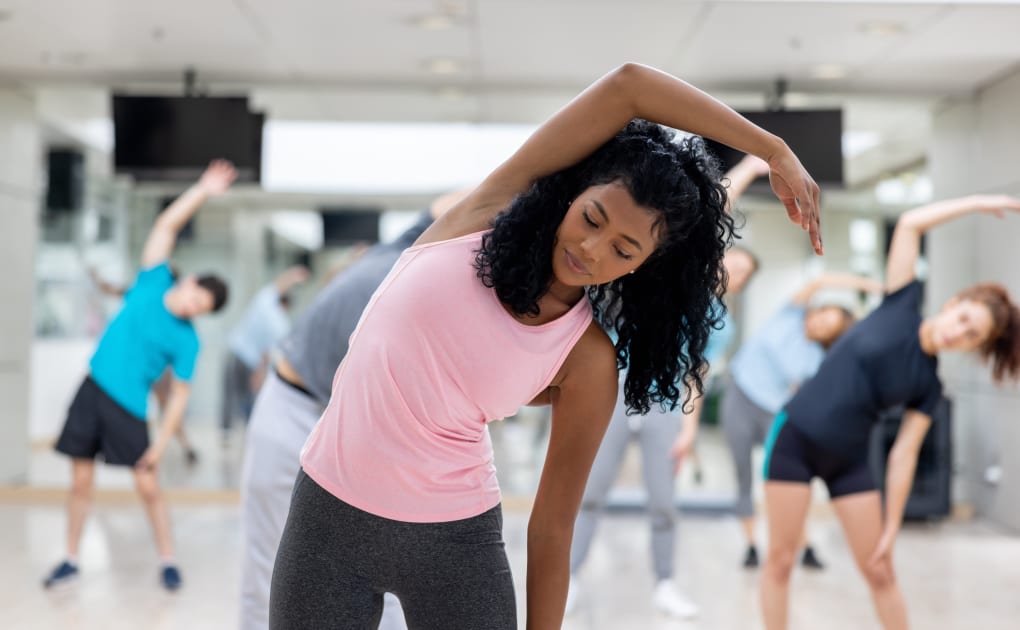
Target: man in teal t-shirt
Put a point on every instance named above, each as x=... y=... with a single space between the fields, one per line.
x=152 y=331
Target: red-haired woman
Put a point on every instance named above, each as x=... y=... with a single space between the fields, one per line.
x=889 y=358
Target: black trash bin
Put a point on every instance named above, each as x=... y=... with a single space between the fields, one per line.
x=930 y=495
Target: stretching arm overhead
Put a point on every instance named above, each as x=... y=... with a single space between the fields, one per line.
x=742 y=175
x=602 y=110
x=835 y=281
x=906 y=240
x=214 y=181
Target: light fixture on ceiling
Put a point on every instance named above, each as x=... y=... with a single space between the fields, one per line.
x=444 y=65
x=433 y=21
x=880 y=28
x=828 y=71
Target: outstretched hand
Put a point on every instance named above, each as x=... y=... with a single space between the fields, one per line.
x=218 y=177
x=798 y=192
x=998 y=204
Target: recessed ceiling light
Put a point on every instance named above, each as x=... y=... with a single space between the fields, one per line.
x=828 y=71
x=882 y=28
x=433 y=21
x=444 y=65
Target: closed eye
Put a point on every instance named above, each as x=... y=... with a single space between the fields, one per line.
x=588 y=219
x=622 y=254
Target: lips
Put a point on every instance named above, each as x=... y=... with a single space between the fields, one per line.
x=576 y=265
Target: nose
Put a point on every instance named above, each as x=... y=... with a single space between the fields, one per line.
x=589 y=246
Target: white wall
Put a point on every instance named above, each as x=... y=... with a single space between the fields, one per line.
x=976 y=149
x=20 y=164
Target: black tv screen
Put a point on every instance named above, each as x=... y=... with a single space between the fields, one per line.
x=174 y=138
x=348 y=226
x=816 y=136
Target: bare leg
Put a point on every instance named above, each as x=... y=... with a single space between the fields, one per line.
x=79 y=502
x=861 y=517
x=786 y=506
x=147 y=484
x=747 y=524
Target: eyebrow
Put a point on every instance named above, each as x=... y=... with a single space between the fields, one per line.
x=633 y=241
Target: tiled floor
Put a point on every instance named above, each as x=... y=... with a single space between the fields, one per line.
x=956 y=576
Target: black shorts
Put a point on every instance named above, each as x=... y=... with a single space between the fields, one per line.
x=97 y=424
x=791 y=456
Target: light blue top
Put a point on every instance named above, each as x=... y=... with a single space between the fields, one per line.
x=262 y=326
x=719 y=340
x=141 y=341
x=776 y=360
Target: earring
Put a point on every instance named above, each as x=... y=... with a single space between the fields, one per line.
x=633 y=270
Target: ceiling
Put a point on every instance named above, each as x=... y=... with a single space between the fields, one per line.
x=887 y=64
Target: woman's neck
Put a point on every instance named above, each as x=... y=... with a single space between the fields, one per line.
x=565 y=294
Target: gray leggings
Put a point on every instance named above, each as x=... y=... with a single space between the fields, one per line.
x=336 y=561
x=656 y=433
x=745 y=424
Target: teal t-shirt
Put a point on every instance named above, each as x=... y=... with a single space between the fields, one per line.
x=141 y=341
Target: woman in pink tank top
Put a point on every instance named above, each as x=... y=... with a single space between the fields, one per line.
x=600 y=223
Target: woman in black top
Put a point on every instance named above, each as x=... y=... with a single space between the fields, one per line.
x=888 y=359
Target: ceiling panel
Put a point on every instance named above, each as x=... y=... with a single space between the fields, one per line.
x=738 y=42
x=361 y=41
x=564 y=40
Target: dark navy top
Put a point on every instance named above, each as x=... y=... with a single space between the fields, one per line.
x=878 y=364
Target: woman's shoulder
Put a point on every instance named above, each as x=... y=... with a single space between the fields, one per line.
x=594 y=354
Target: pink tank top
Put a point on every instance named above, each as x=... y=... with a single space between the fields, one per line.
x=434 y=358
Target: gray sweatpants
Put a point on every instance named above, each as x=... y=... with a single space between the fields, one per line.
x=656 y=433
x=280 y=423
x=745 y=424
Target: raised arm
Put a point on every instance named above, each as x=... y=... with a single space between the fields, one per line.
x=603 y=109
x=906 y=240
x=214 y=181
x=290 y=278
x=742 y=175
x=835 y=281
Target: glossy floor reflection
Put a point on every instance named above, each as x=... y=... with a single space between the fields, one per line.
x=956 y=576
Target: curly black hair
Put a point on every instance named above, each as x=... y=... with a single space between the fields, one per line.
x=663 y=313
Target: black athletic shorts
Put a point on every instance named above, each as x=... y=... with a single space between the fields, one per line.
x=791 y=456
x=96 y=424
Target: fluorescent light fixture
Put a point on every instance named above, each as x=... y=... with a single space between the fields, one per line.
x=381 y=158
x=444 y=65
x=828 y=71
x=882 y=29
x=433 y=22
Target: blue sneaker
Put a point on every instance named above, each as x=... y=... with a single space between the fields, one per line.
x=63 y=574
x=171 y=578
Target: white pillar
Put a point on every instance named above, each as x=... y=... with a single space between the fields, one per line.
x=976 y=149
x=20 y=199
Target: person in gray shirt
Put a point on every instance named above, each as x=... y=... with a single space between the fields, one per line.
x=289 y=404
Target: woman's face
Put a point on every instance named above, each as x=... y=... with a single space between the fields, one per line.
x=824 y=324
x=603 y=236
x=961 y=325
x=739 y=269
